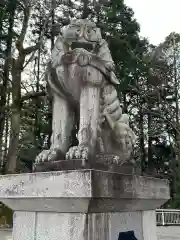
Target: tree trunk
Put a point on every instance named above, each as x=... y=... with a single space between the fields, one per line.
x=37 y=133
x=3 y=98
x=15 y=115
x=50 y=100
x=6 y=127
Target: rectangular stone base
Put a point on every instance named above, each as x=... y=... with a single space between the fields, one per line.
x=80 y=226
x=82 y=204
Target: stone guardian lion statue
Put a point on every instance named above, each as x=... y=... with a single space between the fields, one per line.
x=81 y=78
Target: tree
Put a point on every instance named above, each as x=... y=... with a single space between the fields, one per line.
x=18 y=64
x=8 y=10
x=169 y=51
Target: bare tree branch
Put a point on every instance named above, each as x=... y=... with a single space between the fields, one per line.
x=33 y=95
x=19 y=43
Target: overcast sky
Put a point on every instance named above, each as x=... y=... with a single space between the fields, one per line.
x=157 y=18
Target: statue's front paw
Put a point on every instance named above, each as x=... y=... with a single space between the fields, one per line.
x=52 y=154
x=78 y=152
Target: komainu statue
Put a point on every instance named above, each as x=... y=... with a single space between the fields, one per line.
x=81 y=79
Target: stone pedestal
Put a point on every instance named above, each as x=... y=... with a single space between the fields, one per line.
x=82 y=204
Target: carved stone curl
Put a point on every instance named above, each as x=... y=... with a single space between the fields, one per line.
x=81 y=77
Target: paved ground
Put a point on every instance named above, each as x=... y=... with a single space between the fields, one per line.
x=168 y=233
x=5 y=235
x=163 y=233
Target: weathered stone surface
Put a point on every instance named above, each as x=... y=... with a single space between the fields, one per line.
x=24 y=225
x=104 y=163
x=82 y=191
x=81 y=79
x=82 y=204
x=81 y=226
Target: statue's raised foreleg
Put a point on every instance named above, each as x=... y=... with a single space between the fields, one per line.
x=62 y=124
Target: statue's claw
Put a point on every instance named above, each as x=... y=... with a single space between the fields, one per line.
x=78 y=152
x=52 y=154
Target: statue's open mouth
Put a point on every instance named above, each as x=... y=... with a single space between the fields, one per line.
x=88 y=46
